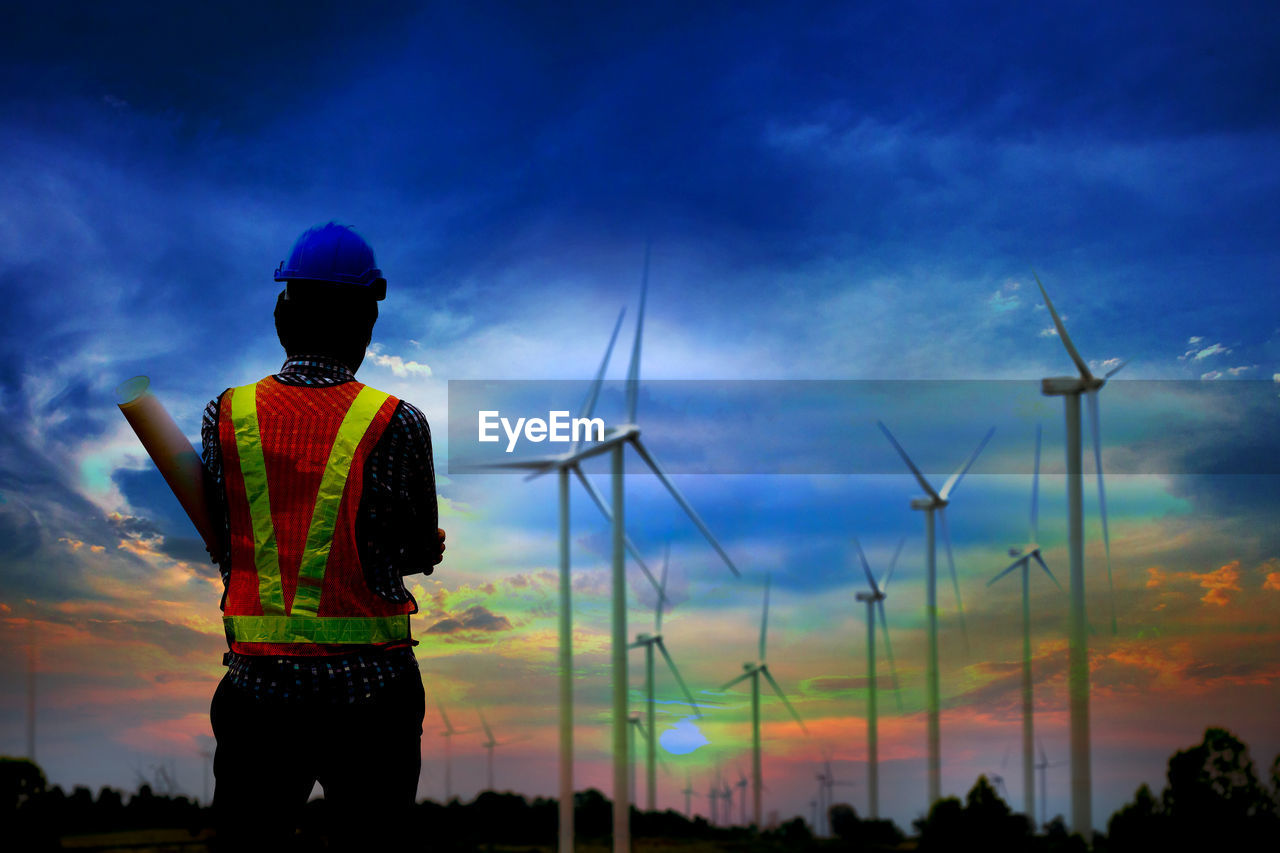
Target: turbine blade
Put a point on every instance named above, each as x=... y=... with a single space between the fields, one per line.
x=783 y=697
x=742 y=677
x=662 y=586
x=954 y=479
x=924 y=484
x=1062 y=332
x=888 y=651
x=593 y=394
x=598 y=500
x=955 y=583
x=1012 y=566
x=1113 y=371
x=684 y=504
x=884 y=582
x=633 y=369
x=540 y=464
x=1045 y=566
x=1035 y=493
x=487 y=731
x=675 y=672
x=1092 y=399
x=866 y=568
x=764 y=619
x=448 y=726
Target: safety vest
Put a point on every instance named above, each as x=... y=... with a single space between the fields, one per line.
x=293 y=463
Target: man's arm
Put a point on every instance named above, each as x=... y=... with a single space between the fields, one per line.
x=425 y=542
x=211 y=456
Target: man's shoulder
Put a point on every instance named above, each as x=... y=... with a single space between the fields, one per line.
x=410 y=414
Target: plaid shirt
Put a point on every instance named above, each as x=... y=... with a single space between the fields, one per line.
x=397 y=520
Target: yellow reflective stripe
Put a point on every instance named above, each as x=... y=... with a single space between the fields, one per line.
x=324 y=518
x=350 y=630
x=253 y=468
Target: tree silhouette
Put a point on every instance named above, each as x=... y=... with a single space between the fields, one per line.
x=984 y=815
x=20 y=779
x=1213 y=800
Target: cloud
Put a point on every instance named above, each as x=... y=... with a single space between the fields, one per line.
x=396 y=364
x=1005 y=299
x=1272 y=581
x=1195 y=352
x=1220 y=583
x=1209 y=351
x=1051 y=332
x=474 y=618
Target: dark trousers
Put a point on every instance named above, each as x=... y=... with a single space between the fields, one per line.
x=367 y=757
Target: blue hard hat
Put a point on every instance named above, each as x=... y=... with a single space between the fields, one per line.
x=336 y=254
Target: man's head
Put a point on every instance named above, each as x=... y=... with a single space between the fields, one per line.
x=330 y=302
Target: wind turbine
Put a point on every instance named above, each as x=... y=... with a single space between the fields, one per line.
x=634 y=725
x=689 y=794
x=1025 y=554
x=874 y=599
x=936 y=501
x=614 y=443
x=31 y=695
x=206 y=768
x=997 y=781
x=827 y=782
x=448 y=733
x=1070 y=388
x=1043 y=765
x=713 y=797
x=753 y=671
x=741 y=785
x=648 y=642
x=563 y=465
x=489 y=744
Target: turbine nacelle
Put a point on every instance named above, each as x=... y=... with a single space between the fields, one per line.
x=869 y=597
x=1061 y=386
x=925 y=502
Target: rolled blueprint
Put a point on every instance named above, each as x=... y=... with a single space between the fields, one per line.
x=177 y=460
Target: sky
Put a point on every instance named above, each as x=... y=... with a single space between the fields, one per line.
x=857 y=194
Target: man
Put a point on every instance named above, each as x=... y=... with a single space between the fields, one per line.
x=325 y=489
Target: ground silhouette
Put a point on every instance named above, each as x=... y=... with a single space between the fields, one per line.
x=1214 y=799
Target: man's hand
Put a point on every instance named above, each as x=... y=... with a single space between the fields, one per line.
x=440 y=556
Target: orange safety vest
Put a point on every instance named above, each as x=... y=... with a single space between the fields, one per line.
x=294 y=461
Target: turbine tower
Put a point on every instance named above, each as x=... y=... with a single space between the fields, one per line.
x=827 y=782
x=936 y=502
x=1025 y=554
x=614 y=443
x=489 y=744
x=562 y=464
x=753 y=671
x=31 y=696
x=874 y=599
x=634 y=724
x=742 y=785
x=689 y=794
x=713 y=797
x=1070 y=388
x=447 y=733
x=648 y=642
x=1043 y=765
